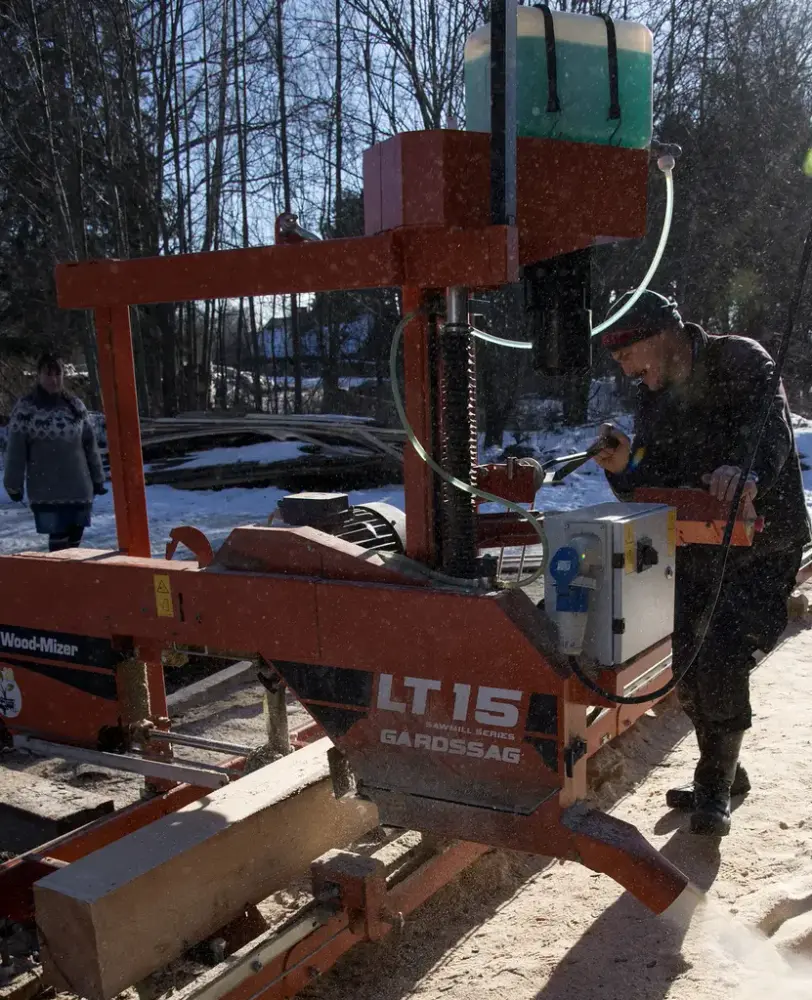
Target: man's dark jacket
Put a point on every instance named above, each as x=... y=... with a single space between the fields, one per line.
x=686 y=431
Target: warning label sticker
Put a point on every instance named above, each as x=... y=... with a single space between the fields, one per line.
x=163 y=596
x=672 y=532
x=628 y=548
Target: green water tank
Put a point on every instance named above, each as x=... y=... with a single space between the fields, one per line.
x=577 y=103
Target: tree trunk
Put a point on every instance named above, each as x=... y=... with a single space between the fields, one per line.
x=576 y=398
x=283 y=140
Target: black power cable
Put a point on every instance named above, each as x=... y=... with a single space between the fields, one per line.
x=769 y=397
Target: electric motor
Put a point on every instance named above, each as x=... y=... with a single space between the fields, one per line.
x=376 y=527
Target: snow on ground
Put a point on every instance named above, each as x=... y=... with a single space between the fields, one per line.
x=216 y=512
x=267 y=452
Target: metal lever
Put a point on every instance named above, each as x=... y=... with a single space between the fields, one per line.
x=194 y=540
x=557 y=469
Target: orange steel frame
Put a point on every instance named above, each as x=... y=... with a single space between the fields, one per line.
x=289 y=595
x=425 y=200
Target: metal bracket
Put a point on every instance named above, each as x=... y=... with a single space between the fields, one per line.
x=360 y=884
x=199 y=774
x=573 y=752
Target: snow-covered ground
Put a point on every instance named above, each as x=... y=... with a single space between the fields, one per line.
x=217 y=512
x=265 y=451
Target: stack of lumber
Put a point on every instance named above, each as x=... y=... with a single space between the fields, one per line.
x=327 y=430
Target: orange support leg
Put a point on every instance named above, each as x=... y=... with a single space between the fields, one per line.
x=117 y=372
x=417 y=476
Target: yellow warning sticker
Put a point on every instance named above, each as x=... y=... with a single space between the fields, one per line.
x=163 y=596
x=628 y=548
x=672 y=532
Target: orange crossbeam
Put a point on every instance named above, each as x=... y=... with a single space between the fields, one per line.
x=701 y=520
x=428 y=257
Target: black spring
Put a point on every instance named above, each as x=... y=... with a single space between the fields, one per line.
x=458 y=450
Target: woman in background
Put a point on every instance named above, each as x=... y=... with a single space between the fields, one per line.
x=52 y=452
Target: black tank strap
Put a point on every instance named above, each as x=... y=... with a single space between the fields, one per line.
x=553 y=104
x=611 y=47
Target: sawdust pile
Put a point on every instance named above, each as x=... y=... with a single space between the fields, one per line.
x=752 y=963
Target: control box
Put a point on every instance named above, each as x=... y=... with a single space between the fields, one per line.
x=632 y=604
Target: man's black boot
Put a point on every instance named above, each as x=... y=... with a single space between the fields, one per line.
x=712 y=784
x=684 y=799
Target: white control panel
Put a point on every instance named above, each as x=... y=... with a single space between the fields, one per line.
x=632 y=604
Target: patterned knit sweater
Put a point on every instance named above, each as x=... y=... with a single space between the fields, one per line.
x=52 y=450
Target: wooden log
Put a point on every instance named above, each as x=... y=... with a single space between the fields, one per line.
x=112 y=918
x=306 y=472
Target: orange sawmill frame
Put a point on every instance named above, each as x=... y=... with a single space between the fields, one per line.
x=427 y=192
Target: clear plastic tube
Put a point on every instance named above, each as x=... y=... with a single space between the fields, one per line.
x=666 y=164
x=519 y=345
x=440 y=471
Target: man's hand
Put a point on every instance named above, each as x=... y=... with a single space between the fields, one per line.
x=15 y=496
x=723 y=482
x=99 y=489
x=616 y=451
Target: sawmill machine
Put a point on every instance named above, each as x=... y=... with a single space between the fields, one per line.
x=449 y=693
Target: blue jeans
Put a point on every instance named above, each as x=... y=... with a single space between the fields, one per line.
x=64 y=524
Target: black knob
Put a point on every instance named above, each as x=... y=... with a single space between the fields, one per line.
x=647 y=556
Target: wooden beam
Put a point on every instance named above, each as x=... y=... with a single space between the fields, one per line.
x=112 y=918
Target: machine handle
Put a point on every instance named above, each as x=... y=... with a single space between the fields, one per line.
x=557 y=469
x=194 y=540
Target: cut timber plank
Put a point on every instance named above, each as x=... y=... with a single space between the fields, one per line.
x=112 y=918
x=34 y=810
